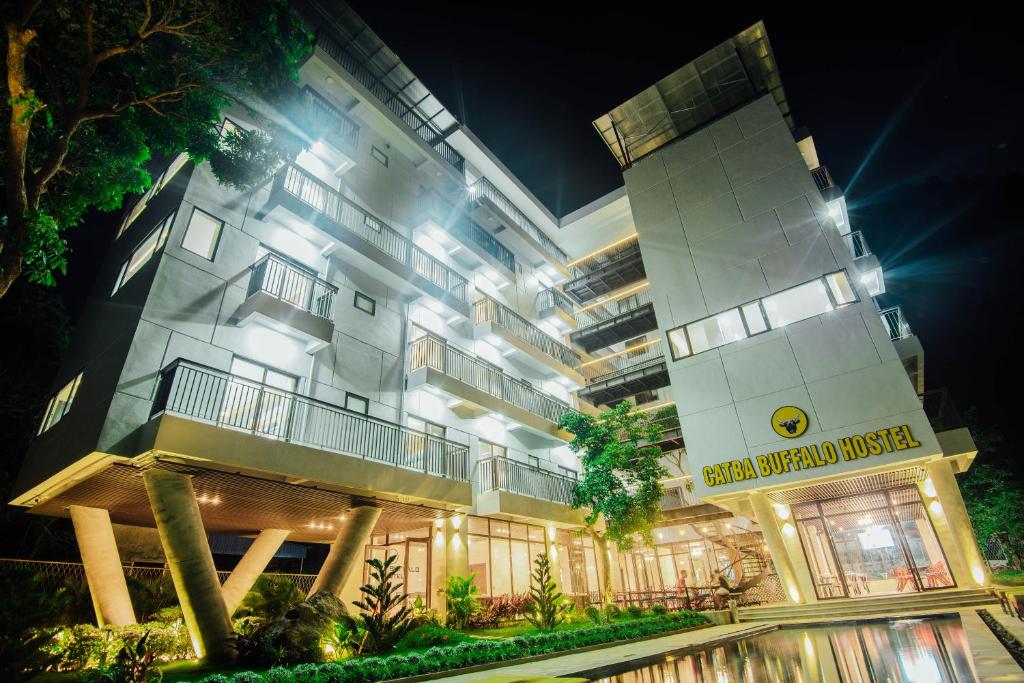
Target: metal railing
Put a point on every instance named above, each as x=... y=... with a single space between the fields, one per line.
x=595 y=314
x=453 y=220
x=324 y=117
x=857 y=244
x=487 y=309
x=485 y=188
x=504 y=474
x=207 y=395
x=432 y=352
x=822 y=178
x=597 y=261
x=550 y=299
x=344 y=212
x=390 y=99
x=280 y=279
x=677 y=497
x=606 y=367
x=895 y=323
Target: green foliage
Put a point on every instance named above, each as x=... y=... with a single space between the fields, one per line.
x=462 y=600
x=595 y=614
x=133 y=664
x=658 y=609
x=430 y=635
x=500 y=610
x=85 y=646
x=621 y=480
x=634 y=611
x=385 y=614
x=612 y=611
x=28 y=620
x=269 y=598
x=548 y=606
x=151 y=595
x=471 y=653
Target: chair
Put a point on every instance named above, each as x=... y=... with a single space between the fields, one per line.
x=937 y=575
x=903 y=577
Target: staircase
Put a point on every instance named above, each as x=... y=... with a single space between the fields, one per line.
x=829 y=610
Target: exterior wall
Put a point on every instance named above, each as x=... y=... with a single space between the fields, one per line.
x=725 y=216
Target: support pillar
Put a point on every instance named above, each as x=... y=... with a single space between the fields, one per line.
x=602 y=556
x=456 y=553
x=188 y=556
x=556 y=560
x=252 y=564
x=346 y=554
x=102 y=563
x=791 y=567
x=951 y=509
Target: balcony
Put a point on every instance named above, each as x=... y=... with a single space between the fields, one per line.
x=536 y=347
x=320 y=118
x=376 y=81
x=605 y=272
x=509 y=488
x=671 y=438
x=611 y=322
x=245 y=424
x=822 y=178
x=679 y=504
x=907 y=345
x=484 y=388
x=869 y=270
x=954 y=437
x=373 y=245
x=487 y=200
x=284 y=293
x=446 y=224
x=617 y=376
x=552 y=304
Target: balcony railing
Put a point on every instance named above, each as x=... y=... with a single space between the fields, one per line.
x=324 y=199
x=467 y=231
x=857 y=244
x=595 y=314
x=488 y=309
x=677 y=497
x=940 y=410
x=895 y=323
x=549 y=299
x=431 y=352
x=485 y=188
x=597 y=261
x=606 y=367
x=324 y=117
x=504 y=474
x=822 y=178
x=390 y=99
x=207 y=395
x=280 y=279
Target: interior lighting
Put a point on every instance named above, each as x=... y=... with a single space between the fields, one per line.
x=603 y=249
x=929 y=488
x=781 y=511
x=936 y=507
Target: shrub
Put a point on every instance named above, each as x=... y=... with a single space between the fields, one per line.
x=634 y=611
x=548 y=606
x=385 y=612
x=278 y=674
x=247 y=677
x=307 y=673
x=430 y=635
x=612 y=611
x=594 y=614
x=658 y=609
x=501 y=608
x=462 y=599
x=269 y=598
x=85 y=646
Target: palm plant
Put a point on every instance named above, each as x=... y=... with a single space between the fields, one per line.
x=462 y=600
x=269 y=598
x=547 y=605
x=385 y=616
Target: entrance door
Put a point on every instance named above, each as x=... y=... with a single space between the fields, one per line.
x=413 y=566
x=870 y=553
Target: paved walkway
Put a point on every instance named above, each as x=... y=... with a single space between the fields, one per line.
x=992 y=662
x=617 y=654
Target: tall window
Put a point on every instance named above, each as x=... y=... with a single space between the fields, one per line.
x=160 y=183
x=141 y=255
x=202 y=234
x=258 y=399
x=492 y=450
x=60 y=404
x=501 y=554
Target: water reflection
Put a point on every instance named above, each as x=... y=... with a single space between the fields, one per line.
x=908 y=651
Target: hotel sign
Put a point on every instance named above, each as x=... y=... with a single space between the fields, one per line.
x=824 y=454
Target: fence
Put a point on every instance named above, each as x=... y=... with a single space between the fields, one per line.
x=487 y=309
x=208 y=395
x=822 y=178
x=499 y=473
x=595 y=314
x=325 y=117
x=857 y=244
x=589 y=264
x=295 y=286
x=606 y=367
x=432 y=352
x=485 y=188
x=550 y=299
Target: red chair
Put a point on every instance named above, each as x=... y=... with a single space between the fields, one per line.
x=903 y=577
x=937 y=575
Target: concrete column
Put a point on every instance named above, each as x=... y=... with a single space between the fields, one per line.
x=438 y=575
x=188 y=556
x=604 y=565
x=791 y=568
x=951 y=508
x=346 y=554
x=103 y=570
x=454 y=546
x=252 y=564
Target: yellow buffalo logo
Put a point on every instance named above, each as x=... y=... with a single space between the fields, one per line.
x=789 y=422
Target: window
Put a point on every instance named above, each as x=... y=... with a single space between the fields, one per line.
x=426 y=427
x=60 y=404
x=492 y=450
x=818 y=296
x=365 y=304
x=140 y=256
x=160 y=183
x=533 y=461
x=566 y=472
x=202 y=234
x=357 y=404
x=258 y=398
x=501 y=554
x=379 y=156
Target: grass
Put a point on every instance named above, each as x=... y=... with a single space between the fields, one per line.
x=1010 y=577
x=521 y=629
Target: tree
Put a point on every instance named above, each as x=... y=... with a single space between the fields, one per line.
x=547 y=605
x=385 y=616
x=621 y=480
x=462 y=601
x=96 y=88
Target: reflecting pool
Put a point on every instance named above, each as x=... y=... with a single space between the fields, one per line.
x=904 y=651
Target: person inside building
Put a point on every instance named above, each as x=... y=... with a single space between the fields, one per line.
x=681 y=589
x=720 y=589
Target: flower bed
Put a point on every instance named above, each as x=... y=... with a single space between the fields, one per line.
x=470 y=654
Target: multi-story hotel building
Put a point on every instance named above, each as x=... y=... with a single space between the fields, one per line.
x=371 y=352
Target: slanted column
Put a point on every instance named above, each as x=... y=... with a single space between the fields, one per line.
x=252 y=564
x=346 y=552
x=951 y=508
x=191 y=563
x=103 y=570
x=790 y=566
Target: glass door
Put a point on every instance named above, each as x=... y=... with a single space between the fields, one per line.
x=259 y=399
x=927 y=560
x=870 y=553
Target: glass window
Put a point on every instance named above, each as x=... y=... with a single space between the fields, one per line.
x=492 y=450
x=501 y=582
x=141 y=255
x=520 y=567
x=365 y=304
x=533 y=461
x=60 y=404
x=799 y=303
x=754 y=317
x=258 y=399
x=202 y=234
x=160 y=183
x=479 y=556
x=478 y=525
x=842 y=292
x=379 y=156
x=426 y=427
x=677 y=343
x=715 y=331
x=357 y=404
x=536 y=534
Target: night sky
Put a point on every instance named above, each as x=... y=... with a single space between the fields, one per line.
x=917 y=117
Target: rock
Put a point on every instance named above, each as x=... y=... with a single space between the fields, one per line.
x=295 y=637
